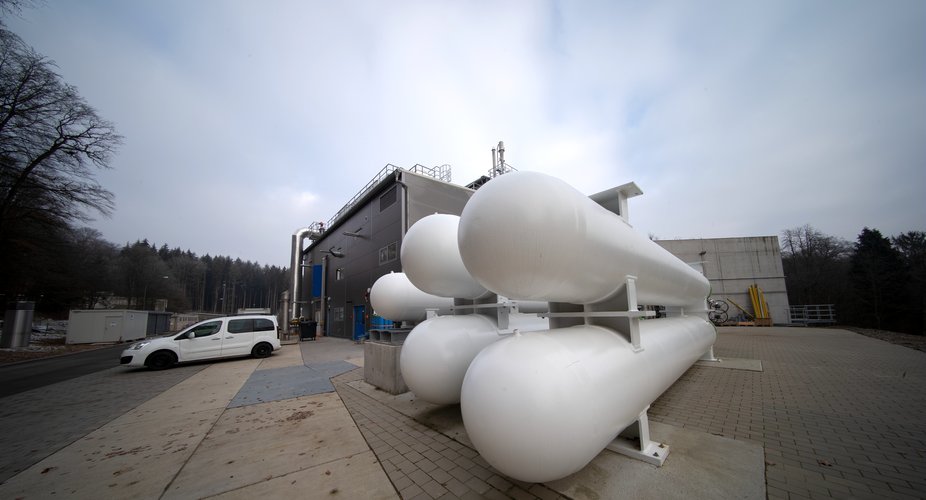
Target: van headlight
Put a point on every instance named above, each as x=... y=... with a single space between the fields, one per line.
x=139 y=345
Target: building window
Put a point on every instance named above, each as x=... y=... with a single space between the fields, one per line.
x=337 y=314
x=387 y=199
x=389 y=253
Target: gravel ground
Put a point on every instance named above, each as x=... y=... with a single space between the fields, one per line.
x=917 y=342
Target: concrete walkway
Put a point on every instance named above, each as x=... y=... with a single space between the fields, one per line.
x=836 y=415
x=191 y=441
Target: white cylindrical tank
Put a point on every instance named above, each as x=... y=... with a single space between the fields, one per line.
x=431 y=259
x=438 y=351
x=532 y=236
x=540 y=406
x=395 y=298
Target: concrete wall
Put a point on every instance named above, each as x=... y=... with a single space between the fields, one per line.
x=733 y=264
x=381 y=367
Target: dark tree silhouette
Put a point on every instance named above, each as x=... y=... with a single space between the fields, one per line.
x=878 y=280
x=912 y=248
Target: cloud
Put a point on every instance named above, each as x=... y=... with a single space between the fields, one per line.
x=735 y=119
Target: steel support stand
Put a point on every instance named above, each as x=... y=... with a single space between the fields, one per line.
x=635 y=443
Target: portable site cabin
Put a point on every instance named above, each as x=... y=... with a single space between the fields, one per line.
x=114 y=325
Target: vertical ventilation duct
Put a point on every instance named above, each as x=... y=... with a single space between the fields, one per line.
x=296 y=271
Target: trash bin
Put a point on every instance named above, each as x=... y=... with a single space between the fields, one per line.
x=307 y=330
x=17 y=324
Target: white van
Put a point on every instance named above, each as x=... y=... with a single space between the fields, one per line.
x=229 y=336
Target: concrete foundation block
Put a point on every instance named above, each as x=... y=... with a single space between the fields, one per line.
x=381 y=367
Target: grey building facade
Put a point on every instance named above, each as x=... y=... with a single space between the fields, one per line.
x=733 y=264
x=362 y=242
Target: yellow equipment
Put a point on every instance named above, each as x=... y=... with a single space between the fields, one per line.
x=759 y=305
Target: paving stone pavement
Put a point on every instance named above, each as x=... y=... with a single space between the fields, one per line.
x=423 y=463
x=840 y=415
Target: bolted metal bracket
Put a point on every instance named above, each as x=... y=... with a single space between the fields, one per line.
x=635 y=443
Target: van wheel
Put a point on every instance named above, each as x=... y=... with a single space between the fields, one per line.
x=262 y=350
x=161 y=360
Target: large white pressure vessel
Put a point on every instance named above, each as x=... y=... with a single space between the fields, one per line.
x=540 y=406
x=437 y=352
x=431 y=259
x=395 y=298
x=532 y=236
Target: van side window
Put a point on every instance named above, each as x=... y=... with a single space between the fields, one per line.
x=263 y=325
x=240 y=325
x=207 y=329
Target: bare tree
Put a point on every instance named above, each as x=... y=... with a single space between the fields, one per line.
x=815 y=265
x=51 y=143
x=15 y=6
x=807 y=242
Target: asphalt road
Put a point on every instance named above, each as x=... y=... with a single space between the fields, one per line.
x=20 y=377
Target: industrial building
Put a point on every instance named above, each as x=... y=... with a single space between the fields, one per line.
x=361 y=242
x=333 y=274
x=732 y=265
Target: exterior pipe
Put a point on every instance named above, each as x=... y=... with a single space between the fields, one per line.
x=403 y=203
x=323 y=314
x=297 y=272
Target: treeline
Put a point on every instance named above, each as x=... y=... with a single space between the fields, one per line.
x=78 y=269
x=875 y=282
x=52 y=143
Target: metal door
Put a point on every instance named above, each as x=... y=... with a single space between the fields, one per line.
x=360 y=328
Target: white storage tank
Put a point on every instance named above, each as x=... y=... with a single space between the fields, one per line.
x=106 y=325
x=395 y=298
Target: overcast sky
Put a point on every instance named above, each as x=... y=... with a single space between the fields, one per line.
x=246 y=120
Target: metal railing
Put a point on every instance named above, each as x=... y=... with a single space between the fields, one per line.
x=441 y=173
x=817 y=314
